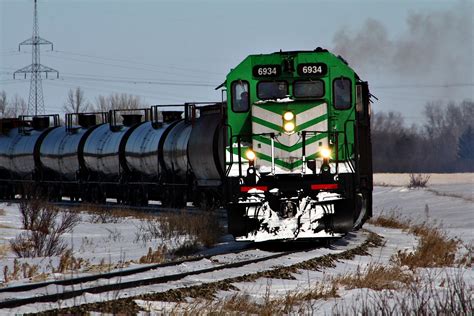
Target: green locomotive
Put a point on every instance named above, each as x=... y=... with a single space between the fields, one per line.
x=298 y=156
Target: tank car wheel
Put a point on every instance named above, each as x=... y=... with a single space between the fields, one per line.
x=143 y=199
x=53 y=193
x=173 y=198
x=10 y=194
x=101 y=196
x=207 y=201
x=179 y=198
x=166 y=198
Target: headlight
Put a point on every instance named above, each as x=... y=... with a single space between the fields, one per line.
x=288 y=116
x=289 y=127
x=289 y=123
x=326 y=153
x=250 y=154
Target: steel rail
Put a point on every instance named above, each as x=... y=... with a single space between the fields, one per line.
x=131 y=284
x=109 y=275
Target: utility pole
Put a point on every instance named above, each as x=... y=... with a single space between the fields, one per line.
x=35 y=102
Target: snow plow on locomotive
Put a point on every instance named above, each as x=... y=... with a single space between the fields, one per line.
x=288 y=154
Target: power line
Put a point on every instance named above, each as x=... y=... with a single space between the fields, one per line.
x=117 y=89
x=126 y=67
x=200 y=82
x=164 y=83
x=143 y=64
x=417 y=86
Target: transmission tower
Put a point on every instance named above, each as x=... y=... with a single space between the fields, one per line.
x=35 y=102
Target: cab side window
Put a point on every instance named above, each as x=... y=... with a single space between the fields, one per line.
x=342 y=93
x=240 y=96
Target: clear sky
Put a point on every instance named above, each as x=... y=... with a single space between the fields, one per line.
x=178 y=51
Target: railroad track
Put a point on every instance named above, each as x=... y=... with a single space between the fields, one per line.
x=145 y=276
x=78 y=282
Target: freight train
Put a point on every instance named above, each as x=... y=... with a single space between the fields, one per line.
x=287 y=151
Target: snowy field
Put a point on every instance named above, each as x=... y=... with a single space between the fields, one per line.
x=447 y=201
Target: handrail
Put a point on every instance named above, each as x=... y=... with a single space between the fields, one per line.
x=24 y=118
x=113 y=117
x=68 y=118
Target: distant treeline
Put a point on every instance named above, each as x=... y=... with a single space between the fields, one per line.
x=443 y=143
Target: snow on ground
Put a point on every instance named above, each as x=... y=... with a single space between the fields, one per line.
x=402 y=179
x=353 y=241
x=116 y=244
x=454 y=214
x=433 y=204
x=448 y=200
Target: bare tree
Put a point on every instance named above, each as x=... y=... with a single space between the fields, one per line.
x=442 y=144
x=3 y=103
x=76 y=102
x=17 y=106
x=118 y=101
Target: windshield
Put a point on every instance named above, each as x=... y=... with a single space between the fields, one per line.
x=272 y=90
x=308 y=89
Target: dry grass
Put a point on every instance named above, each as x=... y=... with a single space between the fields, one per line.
x=105 y=266
x=435 y=248
x=104 y=215
x=294 y=302
x=203 y=228
x=392 y=220
x=156 y=256
x=418 y=180
x=466 y=257
x=186 y=249
x=452 y=297
x=45 y=226
x=67 y=262
x=377 y=277
x=2 y=212
x=4 y=250
x=20 y=270
x=5 y=226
